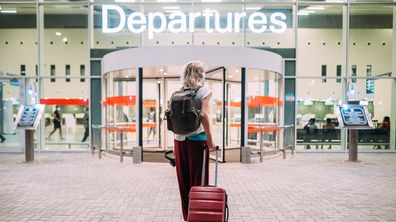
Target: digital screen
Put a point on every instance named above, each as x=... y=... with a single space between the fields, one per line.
x=28 y=116
x=353 y=116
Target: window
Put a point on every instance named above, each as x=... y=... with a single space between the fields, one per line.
x=324 y=72
x=23 y=70
x=67 y=72
x=82 y=73
x=52 y=73
x=338 y=74
x=354 y=70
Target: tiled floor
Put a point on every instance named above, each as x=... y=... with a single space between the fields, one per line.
x=306 y=187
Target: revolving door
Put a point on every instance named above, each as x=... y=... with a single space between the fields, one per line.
x=246 y=108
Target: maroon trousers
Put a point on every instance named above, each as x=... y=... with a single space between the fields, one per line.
x=189 y=158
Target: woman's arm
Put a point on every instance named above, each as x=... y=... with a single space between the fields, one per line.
x=206 y=121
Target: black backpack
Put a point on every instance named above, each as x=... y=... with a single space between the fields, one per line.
x=183 y=115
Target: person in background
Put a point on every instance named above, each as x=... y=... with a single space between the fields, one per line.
x=151 y=117
x=385 y=123
x=328 y=129
x=311 y=128
x=86 y=124
x=385 y=127
x=2 y=138
x=57 y=123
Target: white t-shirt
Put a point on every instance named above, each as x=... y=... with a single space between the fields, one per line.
x=203 y=92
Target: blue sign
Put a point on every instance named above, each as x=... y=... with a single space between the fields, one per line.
x=370 y=86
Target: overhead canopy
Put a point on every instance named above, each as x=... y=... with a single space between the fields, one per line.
x=180 y=55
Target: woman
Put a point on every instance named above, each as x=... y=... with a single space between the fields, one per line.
x=189 y=148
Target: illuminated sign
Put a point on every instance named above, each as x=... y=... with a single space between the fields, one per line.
x=177 y=21
x=354 y=117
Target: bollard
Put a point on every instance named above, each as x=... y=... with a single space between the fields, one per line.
x=137 y=154
x=246 y=154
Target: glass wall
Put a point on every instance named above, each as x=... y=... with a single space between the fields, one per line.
x=340 y=51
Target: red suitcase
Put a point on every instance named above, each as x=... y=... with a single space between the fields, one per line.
x=207 y=203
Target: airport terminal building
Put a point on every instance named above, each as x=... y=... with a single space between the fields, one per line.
x=110 y=67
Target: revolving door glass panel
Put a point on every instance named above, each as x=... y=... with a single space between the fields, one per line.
x=120 y=110
x=264 y=106
x=214 y=81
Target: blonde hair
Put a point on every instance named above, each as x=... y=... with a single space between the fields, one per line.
x=193 y=74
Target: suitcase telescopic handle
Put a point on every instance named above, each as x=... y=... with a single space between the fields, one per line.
x=204 y=162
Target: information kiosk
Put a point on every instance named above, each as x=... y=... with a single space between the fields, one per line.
x=28 y=119
x=353 y=117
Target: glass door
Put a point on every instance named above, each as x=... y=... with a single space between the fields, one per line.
x=152 y=114
x=233 y=117
x=13 y=93
x=170 y=85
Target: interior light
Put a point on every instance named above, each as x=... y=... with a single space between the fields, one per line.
x=161 y=70
x=58 y=33
x=315 y=8
x=165 y=73
x=172 y=11
x=302 y=13
x=210 y=0
x=124 y=1
x=171 y=7
x=9 y=11
x=64 y=39
x=252 y=8
x=210 y=10
x=256 y=78
x=237 y=71
x=307 y=11
x=334 y=0
x=0 y=7
x=166 y=0
x=230 y=76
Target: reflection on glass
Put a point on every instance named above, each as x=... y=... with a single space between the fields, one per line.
x=120 y=108
x=264 y=106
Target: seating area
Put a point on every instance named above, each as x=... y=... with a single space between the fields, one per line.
x=371 y=137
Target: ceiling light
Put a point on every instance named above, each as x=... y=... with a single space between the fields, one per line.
x=315 y=8
x=171 y=7
x=165 y=73
x=307 y=11
x=210 y=0
x=230 y=76
x=124 y=1
x=210 y=10
x=237 y=71
x=166 y=0
x=334 y=0
x=64 y=39
x=252 y=8
x=161 y=70
x=302 y=13
x=9 y=11
x=58 y=33
x=172 y=11
x=0 y=7
x=255 y=78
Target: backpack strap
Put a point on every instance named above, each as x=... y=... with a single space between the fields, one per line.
x=194 y=91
